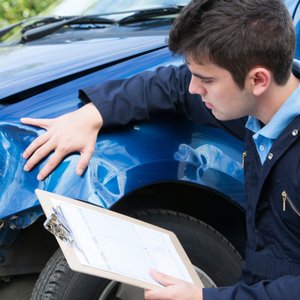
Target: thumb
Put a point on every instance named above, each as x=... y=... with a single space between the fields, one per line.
x=162 y=278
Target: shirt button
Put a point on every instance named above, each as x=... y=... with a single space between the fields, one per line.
x=295 y=132
x=261 y=148
x=270 y=156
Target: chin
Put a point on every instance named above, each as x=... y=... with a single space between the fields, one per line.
x=220 y=117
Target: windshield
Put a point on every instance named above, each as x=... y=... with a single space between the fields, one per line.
x=66 y=19
x=95 y=7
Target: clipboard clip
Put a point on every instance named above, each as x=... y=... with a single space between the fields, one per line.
x=57 y=225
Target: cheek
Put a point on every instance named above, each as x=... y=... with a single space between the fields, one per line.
x=225 y=100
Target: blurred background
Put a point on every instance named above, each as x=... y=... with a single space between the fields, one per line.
x=12 y=11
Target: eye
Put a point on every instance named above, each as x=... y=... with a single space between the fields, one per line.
x=206 y=80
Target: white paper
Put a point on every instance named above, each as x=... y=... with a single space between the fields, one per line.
x=119 y=246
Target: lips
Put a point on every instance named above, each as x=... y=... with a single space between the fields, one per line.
x=208 y=105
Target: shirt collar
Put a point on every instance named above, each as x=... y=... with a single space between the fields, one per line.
x=287 y=112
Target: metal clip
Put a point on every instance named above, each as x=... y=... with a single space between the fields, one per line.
x=57 y=225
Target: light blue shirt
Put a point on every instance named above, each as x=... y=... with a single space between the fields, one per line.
x=265 y=136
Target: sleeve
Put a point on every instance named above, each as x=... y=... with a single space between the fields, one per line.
x=283 y=288
x=149 y=93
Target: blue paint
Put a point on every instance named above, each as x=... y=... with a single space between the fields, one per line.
x=43 y=77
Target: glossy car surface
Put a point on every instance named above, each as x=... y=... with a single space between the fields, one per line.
x=166 y=163
x=27 y=69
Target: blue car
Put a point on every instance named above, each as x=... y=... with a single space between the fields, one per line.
x=170 y=172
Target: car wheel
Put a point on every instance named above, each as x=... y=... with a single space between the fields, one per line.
x=215 y=259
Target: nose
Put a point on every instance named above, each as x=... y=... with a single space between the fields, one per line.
x=196 y=87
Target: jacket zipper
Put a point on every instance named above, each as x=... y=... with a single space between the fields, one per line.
x=285 y=198
x=244 y=155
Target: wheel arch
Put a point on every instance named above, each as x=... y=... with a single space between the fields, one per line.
x=216 y=209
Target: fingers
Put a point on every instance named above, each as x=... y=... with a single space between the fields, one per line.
x=160 y=293
x=58 y=156
x=163 y=279
x=66 y=134
x=84 y=161
x=52 y=163
x=39 y=149
x=38 y=142
x=36 y=151
x=54 y=160
x=43 y=123
x=174 y=288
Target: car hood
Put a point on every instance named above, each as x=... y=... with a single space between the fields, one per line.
x=24 y=67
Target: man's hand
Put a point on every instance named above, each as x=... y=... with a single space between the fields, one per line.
x=175 y=289
x=73 y=132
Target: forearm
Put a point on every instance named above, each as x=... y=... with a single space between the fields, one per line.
x=137 y=98
x=149 y=93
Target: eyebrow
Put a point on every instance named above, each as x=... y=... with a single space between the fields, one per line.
x=199 y=75
x=202 y=77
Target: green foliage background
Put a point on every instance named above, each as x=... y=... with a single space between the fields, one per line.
x=12 y=11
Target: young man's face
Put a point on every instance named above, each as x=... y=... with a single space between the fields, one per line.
x=219 y=92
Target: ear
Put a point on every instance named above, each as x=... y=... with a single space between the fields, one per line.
x=259 y=80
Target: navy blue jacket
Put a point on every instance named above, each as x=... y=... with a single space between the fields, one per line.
x=272 y=269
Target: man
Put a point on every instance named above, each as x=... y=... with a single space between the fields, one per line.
x=239 y=56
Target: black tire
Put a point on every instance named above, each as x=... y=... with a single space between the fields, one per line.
x=216 y=259
x=208 y=250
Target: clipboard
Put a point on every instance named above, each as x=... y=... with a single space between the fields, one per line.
x=61 y=213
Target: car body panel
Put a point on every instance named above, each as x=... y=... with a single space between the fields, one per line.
x=23 y=67
x=120 y=155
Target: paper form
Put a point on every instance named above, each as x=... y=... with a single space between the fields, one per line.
x=119 y=246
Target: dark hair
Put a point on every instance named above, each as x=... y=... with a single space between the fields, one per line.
x=237 y=35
